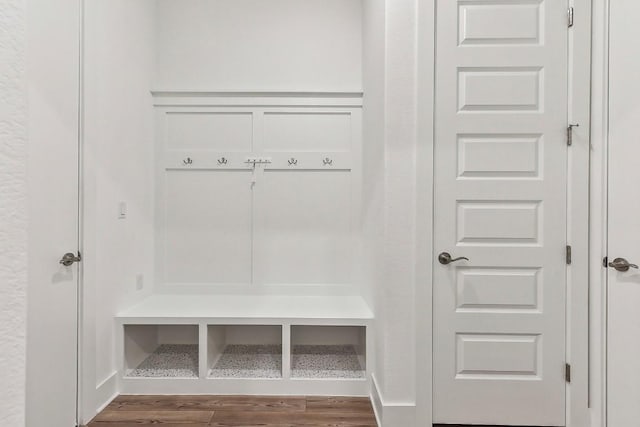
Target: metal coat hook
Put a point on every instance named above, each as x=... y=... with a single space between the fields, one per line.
x=327 y=161
x=223 y=161
x=188 y=161
x=293 y=162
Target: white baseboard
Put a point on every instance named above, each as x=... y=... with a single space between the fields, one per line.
x=106 y=391
x=391 y=414
x=375 y=401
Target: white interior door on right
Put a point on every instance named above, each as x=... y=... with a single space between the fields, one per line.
x=623 y=342
x=500 y=201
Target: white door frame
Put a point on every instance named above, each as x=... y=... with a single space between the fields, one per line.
x=87 y=390
x=599 y=212
x=578 y=413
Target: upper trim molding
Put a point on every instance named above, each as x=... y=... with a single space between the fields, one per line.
x=240 y=99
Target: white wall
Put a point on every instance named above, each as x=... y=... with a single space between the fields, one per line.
x=13 y=211
x=373 y=149
x=373 y=212
x=389 y=223
x=399 y=279
x=258 y=45
x=119 y=167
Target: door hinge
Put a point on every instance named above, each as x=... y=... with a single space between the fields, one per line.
x=568 y=255
x=567 y=372
x=570 y=17
x=570 y=134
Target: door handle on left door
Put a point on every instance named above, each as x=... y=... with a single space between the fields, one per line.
x=621 y=264
x=69 y=259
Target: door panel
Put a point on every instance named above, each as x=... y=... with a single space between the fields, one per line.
x=53 y=208
x=500 y=197
x=624 y=218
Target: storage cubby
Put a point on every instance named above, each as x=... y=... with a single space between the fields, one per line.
x=244 y=351
x=161 y=351
x=260 y=345
x=328 y=352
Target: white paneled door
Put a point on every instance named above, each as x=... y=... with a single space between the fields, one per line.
x=52 y=328
x=500 y=200
x=623 y=369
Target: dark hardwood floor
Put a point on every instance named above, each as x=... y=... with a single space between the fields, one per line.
x=236 y=411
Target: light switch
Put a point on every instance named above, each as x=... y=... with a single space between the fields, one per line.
x=122 y=210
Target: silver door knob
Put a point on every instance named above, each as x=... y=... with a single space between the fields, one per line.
x=621 y=264
x=69 y=259
x=445 y=258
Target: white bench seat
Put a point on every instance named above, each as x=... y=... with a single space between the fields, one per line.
x=319 y=309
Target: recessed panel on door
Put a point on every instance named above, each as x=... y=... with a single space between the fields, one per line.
x=493 y=89
x=495 y=156
x=500 y=22
x=499 y=289
x=499 y=222
x=491 y=356
x=207 y=227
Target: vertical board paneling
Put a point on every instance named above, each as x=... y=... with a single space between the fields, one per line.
x=305 y=226
x=208 y=226
x=286 y=222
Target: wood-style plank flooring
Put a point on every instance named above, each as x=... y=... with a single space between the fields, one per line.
x=236 y=411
